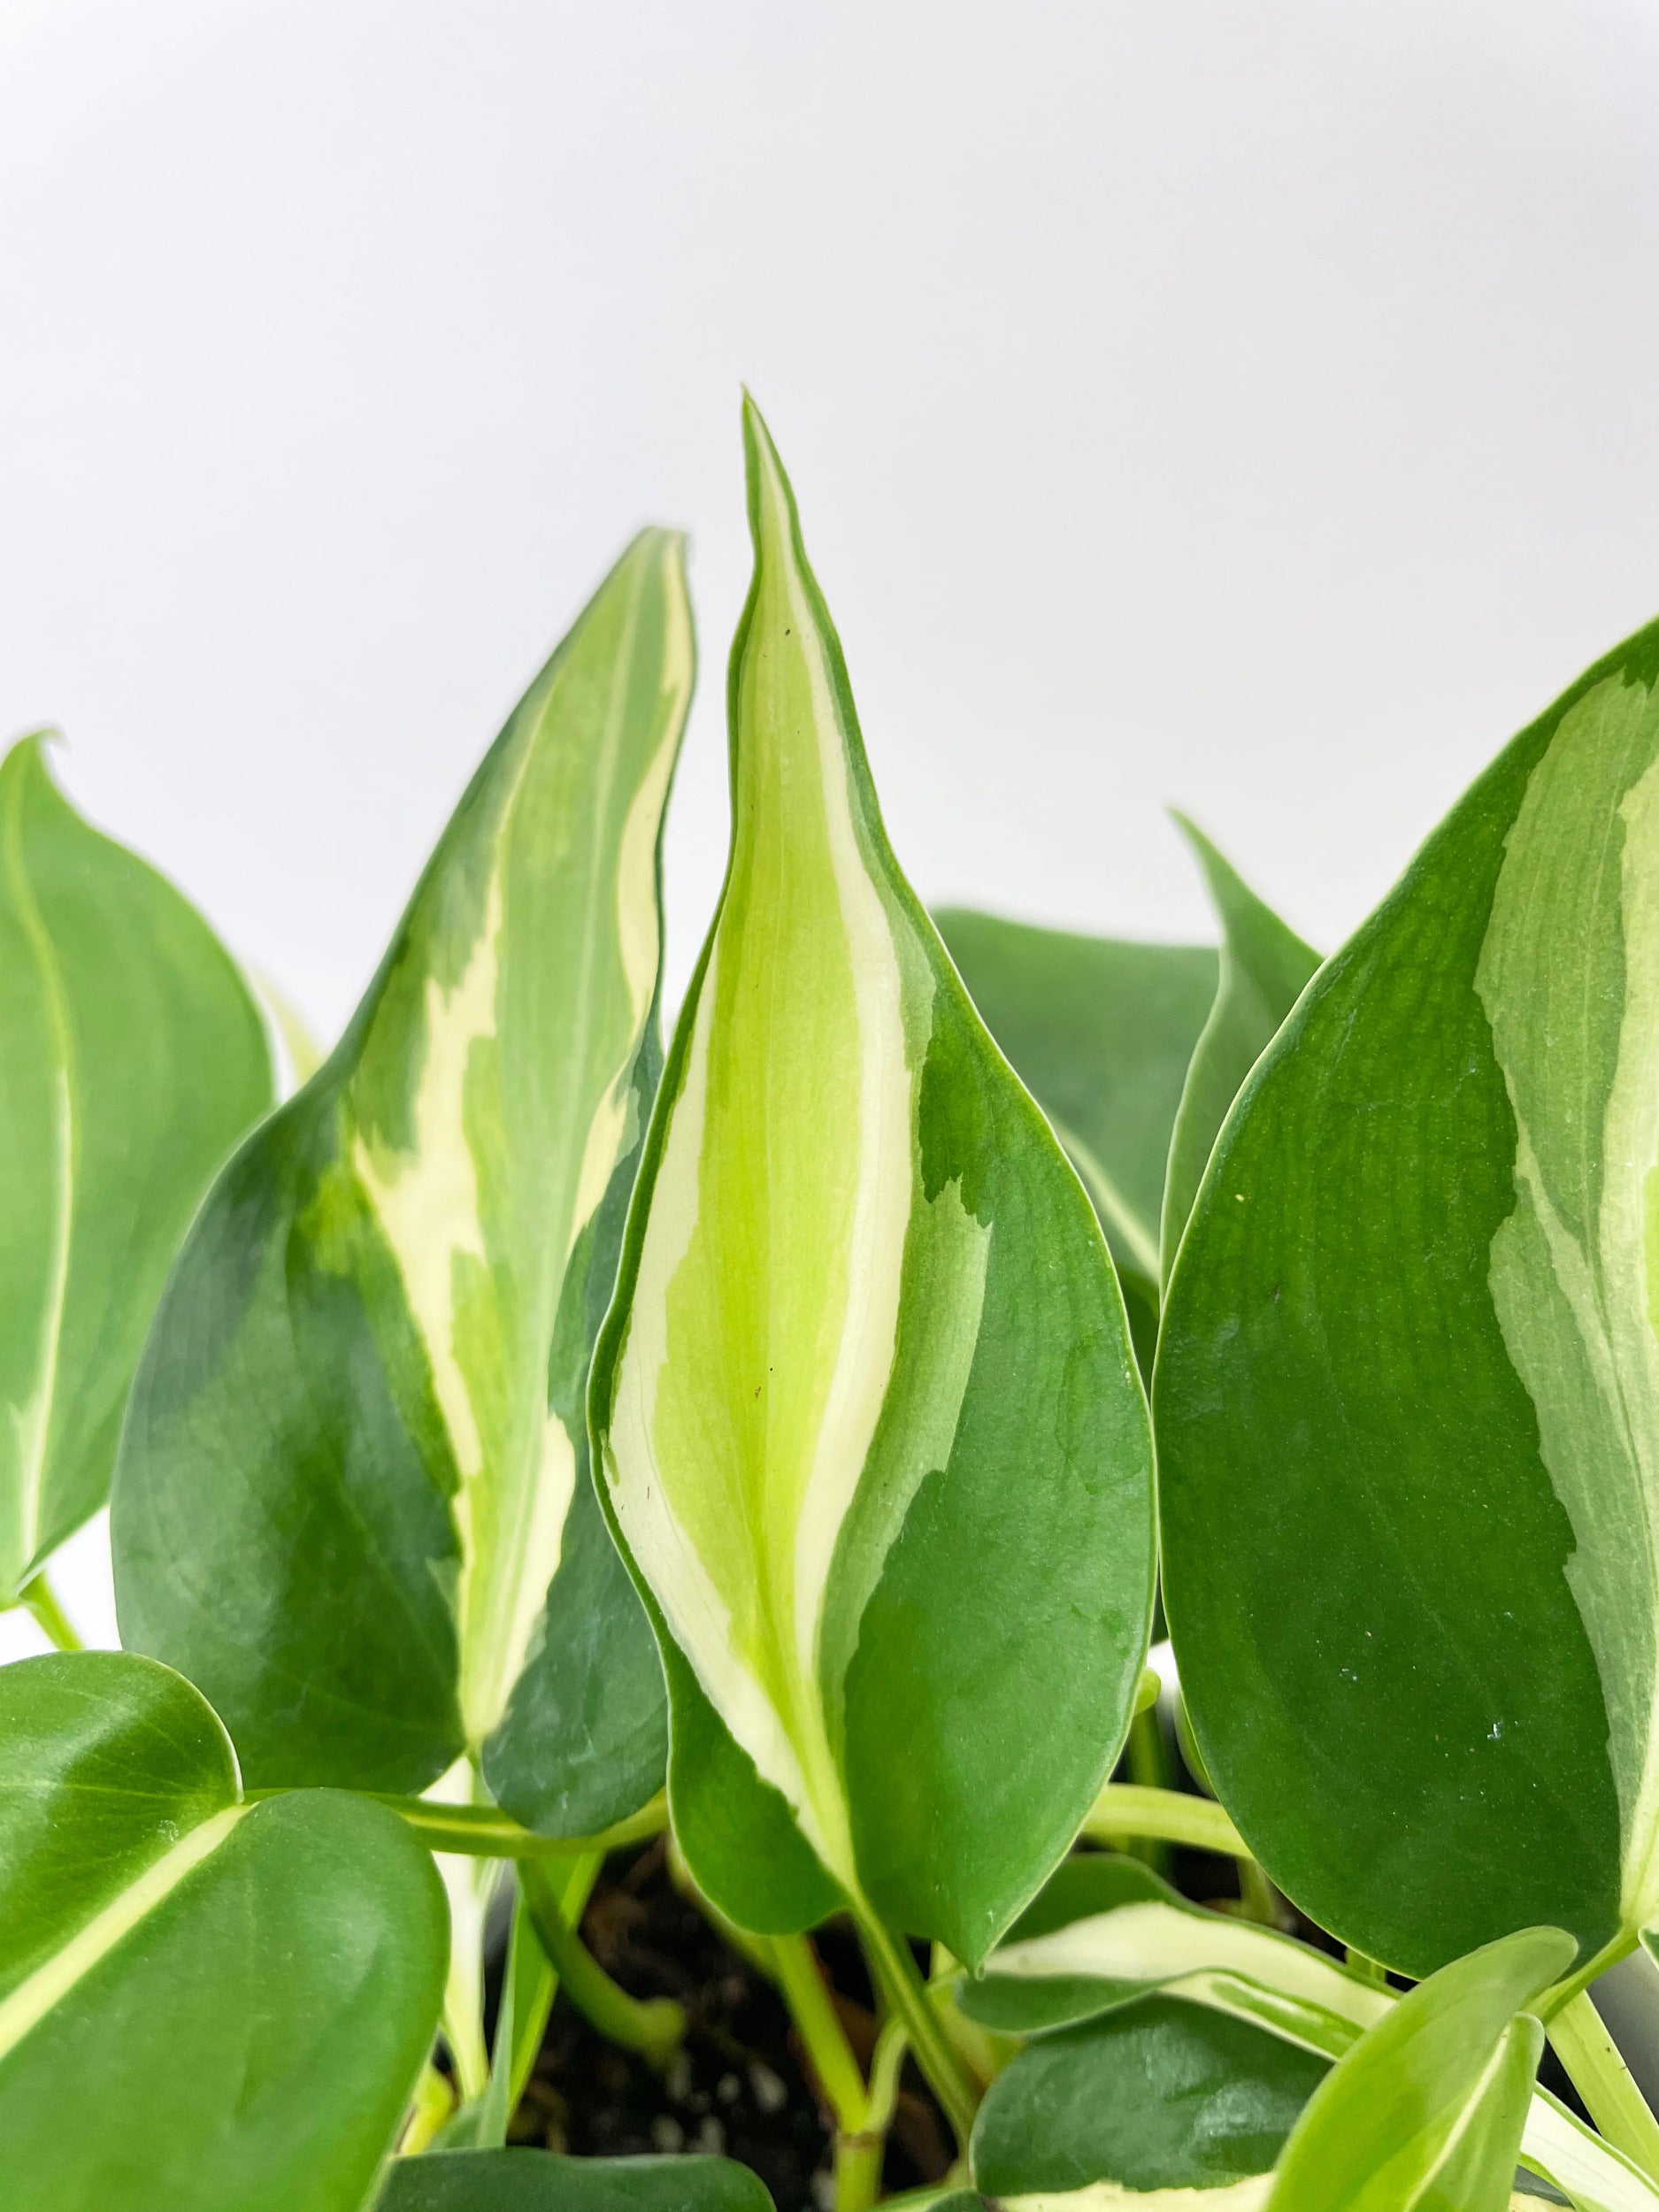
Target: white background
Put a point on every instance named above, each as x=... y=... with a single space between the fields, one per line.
x=1249 y=406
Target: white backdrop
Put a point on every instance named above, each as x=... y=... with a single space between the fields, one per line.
x=1254 y=406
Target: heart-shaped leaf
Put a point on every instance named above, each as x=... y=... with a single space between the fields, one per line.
x=867 y=1418
x=359 y=1432
x=1408 y=1391
x=203 y=2003
x=131 y=1058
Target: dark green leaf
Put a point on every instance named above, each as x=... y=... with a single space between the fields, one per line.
x=542 y=2181
x=1162 y=2095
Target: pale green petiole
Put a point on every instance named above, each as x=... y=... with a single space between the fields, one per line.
x=654 y=2027
x=1599 y=2075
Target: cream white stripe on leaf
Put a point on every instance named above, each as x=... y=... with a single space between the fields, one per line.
x=405 y=1248
x=860 y=1285
x=29 y=2003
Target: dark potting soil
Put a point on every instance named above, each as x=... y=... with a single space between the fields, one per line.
x=740 y=2086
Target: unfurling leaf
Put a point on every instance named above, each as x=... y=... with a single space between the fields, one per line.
x=131 y=1058
x=202 y=2002
x=1425 y=2113
x=1408 y=1394
x=358 y=1433
x=867 y=1418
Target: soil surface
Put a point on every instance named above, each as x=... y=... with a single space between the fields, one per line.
x=740 y=2086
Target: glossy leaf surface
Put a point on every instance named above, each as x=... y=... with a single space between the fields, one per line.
x=202 y=2004
x=542 y=2181
x=131 y=1058
x=868 y=1420
x=358 y=1430
x=1264 y=966
x=1161 y=2096
x=1100 y=1032
x=1408 y=1395
x=1425 y=2113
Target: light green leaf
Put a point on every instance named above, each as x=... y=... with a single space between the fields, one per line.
x=1425 y=2112
x=1159 y=2096
x=1100 y=1032
x=1265 y=968
x=542 y=2181
x=203 y=2003
x=358 y=1430
x=131 y=1058
x=1407 y=1388
x=866 y=1414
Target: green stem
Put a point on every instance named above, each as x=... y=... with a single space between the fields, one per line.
x=794 y=1968
x=859 y=2153
x=655 y=2026
x=41 y=1601
x=1368 y=1968
x=479 y=1832
x=1601 y=2076
x=894 y=1973
x=1128 y=1809
x=1149 y=1769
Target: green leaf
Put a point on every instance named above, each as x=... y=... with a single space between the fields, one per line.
x=865 y=1409
x=542 y=2181
x=1425 y=2112
x=1106 y=1932
x=203 y=2003
x=1100 y=1032
x=131 y=1058
x=1161 y=2096
x=1408 y=1392
x=359 y=1429
x=1265 y=968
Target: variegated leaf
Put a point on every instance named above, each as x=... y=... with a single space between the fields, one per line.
x=131 y=1058
x=203 y=2003
x=1408 y=1392
x=1106 y=1933
x=359 y=1429
x=1425 y=2112
x=869 y=1423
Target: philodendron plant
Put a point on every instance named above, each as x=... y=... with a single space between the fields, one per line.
x=523 y=1445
